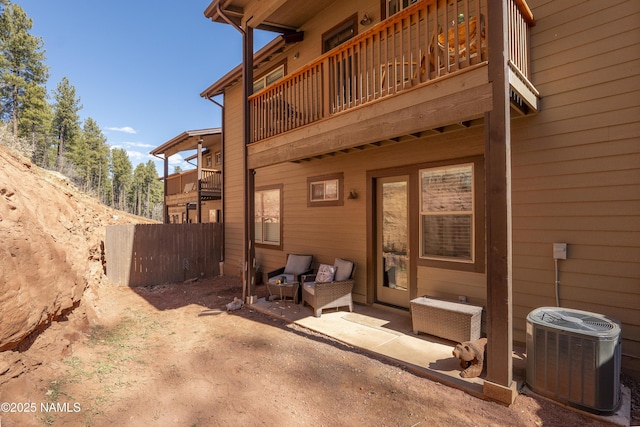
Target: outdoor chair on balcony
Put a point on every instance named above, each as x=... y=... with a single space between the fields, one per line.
x=461 y=47
x=290 y=274
x=331 y=287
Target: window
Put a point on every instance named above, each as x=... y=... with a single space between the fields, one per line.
x=325 y=190
x=395 y=6
x=268 y=206
x=269 y=78
x=447 y=213
x=218 y=156
x=345 y=81
x=322 y=191
x=340 y=33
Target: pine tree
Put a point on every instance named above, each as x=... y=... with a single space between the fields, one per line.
x=101 y=154
x=90 y=157
x=146 y=190
x=138 y=188
x=121 y=178
x=35 y=121
x=155 y=190
x=66 y=122
x=21 y=62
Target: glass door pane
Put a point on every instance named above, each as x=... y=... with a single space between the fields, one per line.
x=393 y=241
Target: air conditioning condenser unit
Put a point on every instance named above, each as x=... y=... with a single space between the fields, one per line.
x=574 y=357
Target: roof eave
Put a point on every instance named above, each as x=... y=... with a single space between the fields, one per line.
x=211 y=12
x=183 y=137
x=233 y=76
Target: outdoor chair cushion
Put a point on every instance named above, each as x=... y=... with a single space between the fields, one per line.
x=310 y=287
x=298 y=264
x=344 y=269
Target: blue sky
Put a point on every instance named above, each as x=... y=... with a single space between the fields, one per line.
x=138 y=66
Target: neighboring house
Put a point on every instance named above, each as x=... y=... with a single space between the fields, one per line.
x=440 y=165
x=195 y=195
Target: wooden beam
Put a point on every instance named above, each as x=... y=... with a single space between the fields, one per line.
x=199 y=182
x=523 y=90
x=258 y=12
x=165 y=210
x=499 y=383
x=249 y=177
x=386 y=142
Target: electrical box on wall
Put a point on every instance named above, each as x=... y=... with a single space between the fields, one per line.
x=560 y=251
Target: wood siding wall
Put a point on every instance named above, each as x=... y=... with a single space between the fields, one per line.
x=307 y=51
x=576 y=173
x=153 y=254
x=233 y=216
x=576 y=166
x=341 y=231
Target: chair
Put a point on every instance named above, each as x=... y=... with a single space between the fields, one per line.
x=334 y=293
x=462 y=38
x=296 y=266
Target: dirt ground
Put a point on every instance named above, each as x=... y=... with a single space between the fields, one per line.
x=147 y=356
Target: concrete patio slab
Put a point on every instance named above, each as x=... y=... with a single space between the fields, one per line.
x=383 y=331
x=388 y=333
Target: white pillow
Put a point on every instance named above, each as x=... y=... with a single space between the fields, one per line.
x=325 y=273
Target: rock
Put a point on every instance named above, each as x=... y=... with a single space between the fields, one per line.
x=50 y=234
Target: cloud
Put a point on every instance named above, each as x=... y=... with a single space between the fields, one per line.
x=137 y=144
x=125 y=129
x=137 y=156
x=133 y=146
x=177 y=160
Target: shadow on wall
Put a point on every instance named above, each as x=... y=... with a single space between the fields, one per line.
x=154 y=254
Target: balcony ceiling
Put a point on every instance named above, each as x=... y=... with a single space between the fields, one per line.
x=282 y=16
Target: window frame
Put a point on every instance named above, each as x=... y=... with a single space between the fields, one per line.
x=469 y=212
x=338 y=201
x=478 y=221
x=265 y=76
x=384 y=7
x=262 y=243
x=350 y=22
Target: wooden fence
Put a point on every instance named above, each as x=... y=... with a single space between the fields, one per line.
x=152 y=254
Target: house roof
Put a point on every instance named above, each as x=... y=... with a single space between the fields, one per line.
x=283 y=16
x=272 y=48
x=188 y=140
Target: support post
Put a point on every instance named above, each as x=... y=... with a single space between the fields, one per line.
x=165 y=209
x=249 y=185
x=499 y=382
x=199 y=187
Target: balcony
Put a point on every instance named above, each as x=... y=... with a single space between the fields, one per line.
x=183 y=188
x=419 y=70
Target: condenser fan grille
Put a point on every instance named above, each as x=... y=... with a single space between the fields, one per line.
x=575 y=321
x=600 y=325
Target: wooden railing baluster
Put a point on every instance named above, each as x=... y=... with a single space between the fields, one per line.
x=425 y=41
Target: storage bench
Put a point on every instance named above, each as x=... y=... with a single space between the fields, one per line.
x=446 y=319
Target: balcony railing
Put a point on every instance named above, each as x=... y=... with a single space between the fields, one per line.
x=404 y=51
x=187 y=182
x=211 y=180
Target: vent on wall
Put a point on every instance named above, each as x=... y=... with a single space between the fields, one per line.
x=574 y=357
